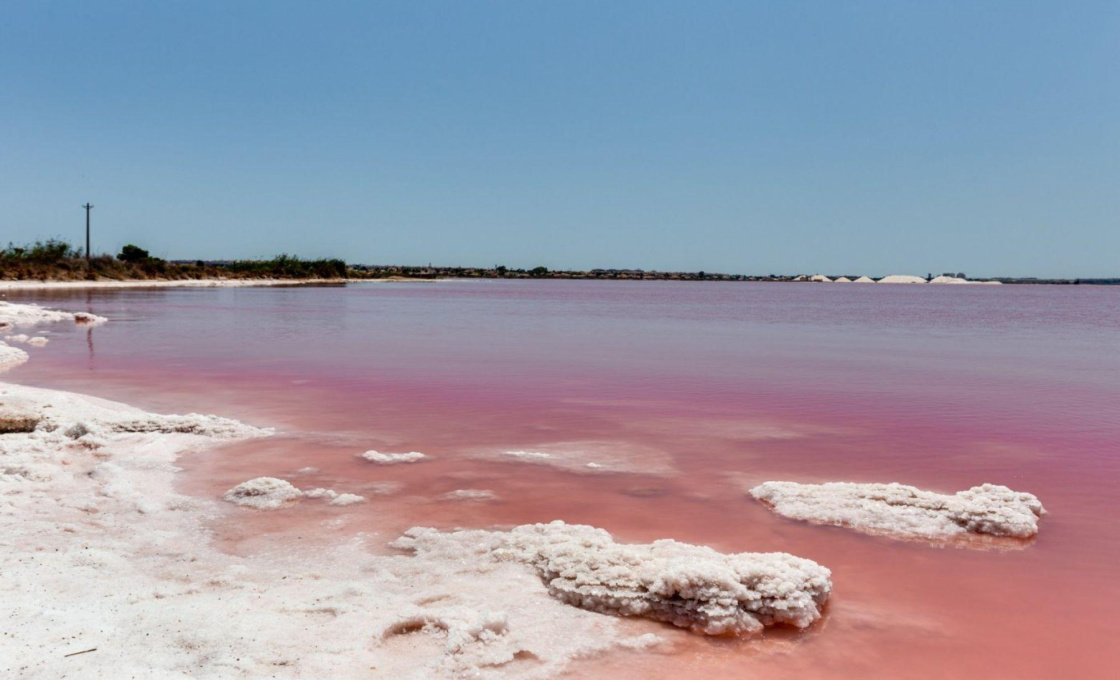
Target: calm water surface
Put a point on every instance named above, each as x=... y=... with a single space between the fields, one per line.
x=709 y=388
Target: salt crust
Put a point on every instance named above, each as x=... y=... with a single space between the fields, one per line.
x=392 y=458
x=905 y=511
x=688 y=586
x=97 y=549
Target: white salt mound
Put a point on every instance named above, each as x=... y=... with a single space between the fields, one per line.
x=905 y=511
x=393 y=458
x=820 y=278
x=901 y=278
x=842 y=279
x=864 y=279
x=264 y=493
x=689 y=586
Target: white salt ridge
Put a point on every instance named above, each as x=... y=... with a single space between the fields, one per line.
x=842 y=279
x=905 y=511
x=392 y=458
x=820 y=278
x=864 y=279
x=14 y=314
x=688 y=586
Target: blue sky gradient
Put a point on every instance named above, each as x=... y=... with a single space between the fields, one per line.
x=839 y=137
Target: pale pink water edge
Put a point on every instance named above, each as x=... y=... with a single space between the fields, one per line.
x=713 y=387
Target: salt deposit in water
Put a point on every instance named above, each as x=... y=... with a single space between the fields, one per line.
x=264 y=493
x=905 y=511
x=393 y=458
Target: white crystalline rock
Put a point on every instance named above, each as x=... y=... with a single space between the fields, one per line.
x=905 y=511
x=864 y=279
x=469 y=495
x=689 y=586
x=948 y=279
x=18 y=337
x=901 y=278
x=264 y=493
x=38 y=341
x=392 y=458
x=13 y=314
x=333 y=497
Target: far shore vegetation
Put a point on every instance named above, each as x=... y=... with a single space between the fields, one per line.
x=57 y=260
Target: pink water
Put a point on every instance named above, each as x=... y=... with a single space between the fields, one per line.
x=723 y=385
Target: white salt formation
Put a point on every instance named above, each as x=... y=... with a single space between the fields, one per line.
x=905 y=511
x=864 y=279
x=820 y=278
x=689 y=586
x=393 y=458
x=264 y=493
x=842 y=279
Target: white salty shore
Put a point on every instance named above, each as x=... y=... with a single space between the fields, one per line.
x=107 y=571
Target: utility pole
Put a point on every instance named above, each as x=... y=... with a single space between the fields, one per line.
x=88 y=207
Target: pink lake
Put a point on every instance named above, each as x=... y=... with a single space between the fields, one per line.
x=702 y=389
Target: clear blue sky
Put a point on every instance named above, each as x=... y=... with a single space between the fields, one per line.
x=747 y=137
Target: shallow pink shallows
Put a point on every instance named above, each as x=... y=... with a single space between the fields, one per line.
x=709 y=388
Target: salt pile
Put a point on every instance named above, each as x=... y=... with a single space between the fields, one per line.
x=842 y=279
x=820 y=278
x=688 y=586
x=901 y=278
x=905 y=511
x=864 y=279
x=392 y=458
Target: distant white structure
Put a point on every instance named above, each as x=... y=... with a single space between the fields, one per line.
x=820 y=278
x=901 y=278
x=842 y=279
x=864 y=279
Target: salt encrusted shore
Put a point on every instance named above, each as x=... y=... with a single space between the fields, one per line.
x=181 y=283
x=902 y=511
x=107 y=571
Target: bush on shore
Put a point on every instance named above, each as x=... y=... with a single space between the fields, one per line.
x=57 y=260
